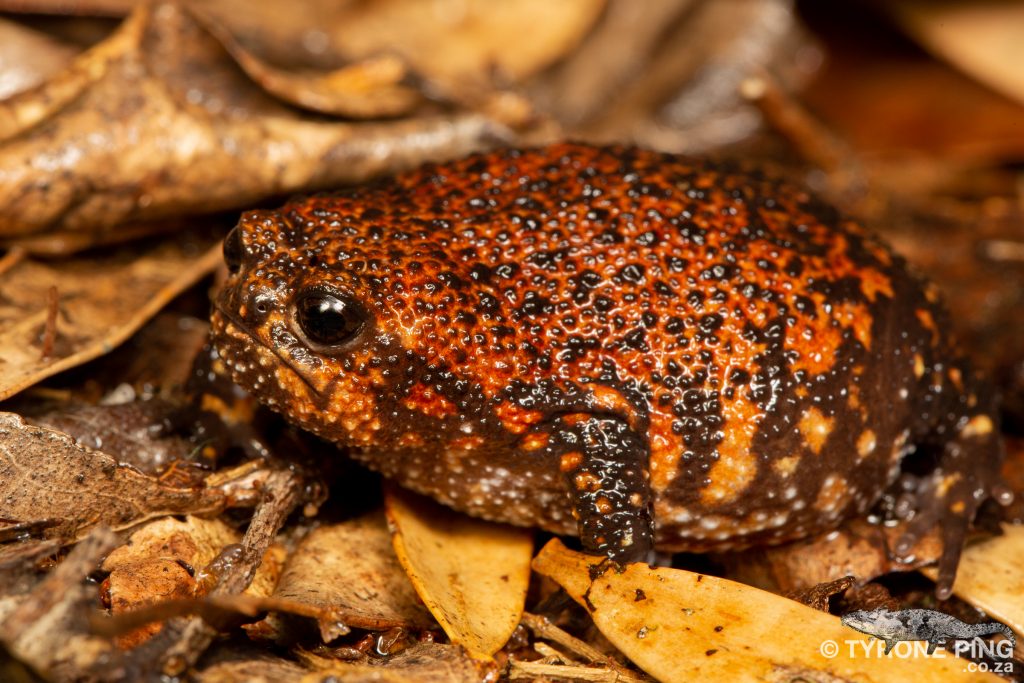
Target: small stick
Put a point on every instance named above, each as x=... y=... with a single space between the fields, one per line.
x=811 y=139
x=543 y=628
x=1003 y=250
x=13 y=257
x=534 y=670
x=550 y=654
x=50 y=330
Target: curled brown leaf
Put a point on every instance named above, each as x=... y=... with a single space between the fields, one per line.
x=158 y=120
x=45 y=476
x=370 y=88
x=101 y=301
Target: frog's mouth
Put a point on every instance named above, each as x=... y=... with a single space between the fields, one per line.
x=229 y=331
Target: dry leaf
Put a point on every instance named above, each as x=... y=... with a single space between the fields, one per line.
x=371 y=88
x=444 y=40
x=678 y=625
x=21 y=557
x=685 y=96
x=819 y=595
x=164 y=561
x=47 y=478
x=857 y=548
x=258 y=669
x=27 y=57
x=193 y=541
x=990 y=577
x=182 y=642
x=158 y=120
x=350 y=572
x=48 y=629
x=101 y=301
x=421 y=663
x=578 y=87
x=131 y=432
x=158 y=358
x=471 y=574
x=158 y=564
x=982 y=37
x=465 y=43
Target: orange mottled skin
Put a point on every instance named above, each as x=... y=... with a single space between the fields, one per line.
x=612 y=337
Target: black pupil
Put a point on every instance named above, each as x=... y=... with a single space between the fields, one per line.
x=328 y=319
x=233 y=250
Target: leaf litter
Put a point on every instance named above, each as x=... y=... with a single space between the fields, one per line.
x=89 y=305
x=679 y=625
x=92 y=152
x=51 y=483
x=350 y=571
x=158 y=120
x=473 y=575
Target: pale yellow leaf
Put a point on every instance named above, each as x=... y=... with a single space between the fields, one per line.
x=471 y=574
x=990 y=576
x=682 y=626
x=984 y=38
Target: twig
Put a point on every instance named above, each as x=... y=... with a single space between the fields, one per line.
x=815 y=143
x=534 y=670
x=48 y=630
x=188 y=640
x=543 y=628
x=13 y=257
x=811 y=139
x=1003 y=250
x=50 y=329
x=551 y=655
x=52 y=590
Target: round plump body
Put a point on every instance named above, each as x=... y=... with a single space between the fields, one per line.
x=772 y=361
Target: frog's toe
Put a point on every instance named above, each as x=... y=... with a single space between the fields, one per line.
x=968 y=474
x=604 y=463
x=949 y=501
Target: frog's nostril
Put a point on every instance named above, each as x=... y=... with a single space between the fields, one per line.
x=233 y=250
x=258 y=307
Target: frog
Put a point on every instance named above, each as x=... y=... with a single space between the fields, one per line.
x=652 y=352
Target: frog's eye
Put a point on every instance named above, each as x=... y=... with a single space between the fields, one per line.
x=233 y=250
x=328 y=318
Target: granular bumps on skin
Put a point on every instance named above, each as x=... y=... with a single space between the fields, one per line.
x=770 y=362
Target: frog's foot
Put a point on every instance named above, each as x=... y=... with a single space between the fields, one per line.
x=605 y=465
x=950 y=496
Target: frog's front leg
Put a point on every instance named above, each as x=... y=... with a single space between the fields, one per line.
x=604 y=462
x=967 y=474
